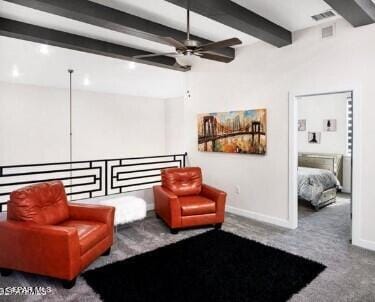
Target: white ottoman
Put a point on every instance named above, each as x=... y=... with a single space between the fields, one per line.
x=128 y=208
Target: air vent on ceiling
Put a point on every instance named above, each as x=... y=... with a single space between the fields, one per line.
x=325 y=15
x=328 y=31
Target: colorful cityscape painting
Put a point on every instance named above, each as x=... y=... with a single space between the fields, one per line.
x=233 y=132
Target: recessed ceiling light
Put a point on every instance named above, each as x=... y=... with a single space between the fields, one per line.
x=15 y=72
x=86 y=81
x=131 y=65
x=44 y=49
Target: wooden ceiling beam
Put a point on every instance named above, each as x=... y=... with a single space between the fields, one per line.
x=33 y=33
x=356 y=12
x=116 y=20
x=240 y=18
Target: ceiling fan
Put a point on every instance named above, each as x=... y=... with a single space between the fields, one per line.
x=187 y=49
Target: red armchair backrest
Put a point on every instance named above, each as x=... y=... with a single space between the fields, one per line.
x=44 y=203
x=182 y=181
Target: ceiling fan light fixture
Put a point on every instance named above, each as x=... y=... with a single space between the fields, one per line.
x=186 y=60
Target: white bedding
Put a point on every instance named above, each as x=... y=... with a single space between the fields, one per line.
x=313 y=182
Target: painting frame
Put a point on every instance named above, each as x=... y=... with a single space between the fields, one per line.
x=330 y=125
x=243 y=132
x=302 y=125
x=314 y=137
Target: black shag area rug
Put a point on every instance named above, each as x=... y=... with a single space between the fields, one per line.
x=215 y=266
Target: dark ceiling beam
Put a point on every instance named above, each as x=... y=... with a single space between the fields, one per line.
x=25 y=31
x=356 y=12
x=240 y=18
x=116 y=20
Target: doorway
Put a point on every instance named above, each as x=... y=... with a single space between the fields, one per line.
x=313 y=136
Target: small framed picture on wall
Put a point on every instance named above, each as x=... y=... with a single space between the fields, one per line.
x=329 y=125
x=301 y=125
x=314 y=137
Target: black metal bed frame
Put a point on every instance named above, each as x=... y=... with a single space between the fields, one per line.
x=91 y=178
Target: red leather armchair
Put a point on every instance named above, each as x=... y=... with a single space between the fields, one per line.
x=45 y=235
x=183 y=201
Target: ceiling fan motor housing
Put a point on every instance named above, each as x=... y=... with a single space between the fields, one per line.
x=192 y=43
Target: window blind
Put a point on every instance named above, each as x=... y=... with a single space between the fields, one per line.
x=350 y=125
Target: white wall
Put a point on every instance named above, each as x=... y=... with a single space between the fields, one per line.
x=34 y=125
x=174 y=127
x=315 y=110
x=114 y=125
x=262 y=76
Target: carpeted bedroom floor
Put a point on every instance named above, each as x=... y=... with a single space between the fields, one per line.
x=321 y=236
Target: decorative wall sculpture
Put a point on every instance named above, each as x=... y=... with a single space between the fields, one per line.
x=233 y=132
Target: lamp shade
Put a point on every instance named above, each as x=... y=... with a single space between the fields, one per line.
x=187 y=60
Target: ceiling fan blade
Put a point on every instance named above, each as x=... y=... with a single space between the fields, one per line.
x=174 y=42
x=155 y=55
x=220 y=44
x=214 y=57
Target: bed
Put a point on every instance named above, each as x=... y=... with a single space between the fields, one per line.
x=319 y=178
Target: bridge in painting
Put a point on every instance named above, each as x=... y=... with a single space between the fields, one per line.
x=206 y=139
x=214 y=130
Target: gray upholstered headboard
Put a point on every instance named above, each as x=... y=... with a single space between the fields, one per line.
x=331 y=162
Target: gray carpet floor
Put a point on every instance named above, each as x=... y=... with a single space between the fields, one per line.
x=321 y=236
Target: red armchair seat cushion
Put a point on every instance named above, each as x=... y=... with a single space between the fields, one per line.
x=90 y=233
x=196 y=205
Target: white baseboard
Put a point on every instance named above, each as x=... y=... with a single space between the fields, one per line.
x=366 y=244
x=150 y=206
x=259 y=217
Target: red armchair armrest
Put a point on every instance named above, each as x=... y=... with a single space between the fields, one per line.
x=216 y=195
x=212 y=193
x=43 y=249
x=99 y=213
x=167 y=206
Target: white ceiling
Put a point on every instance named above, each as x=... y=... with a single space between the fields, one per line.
x=112 y=75
x=36 y=17
x=291 y=14
x=104 y=74
x=168 y=14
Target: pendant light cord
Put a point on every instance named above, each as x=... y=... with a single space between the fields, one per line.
x=188 y=20
x=70 y=130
